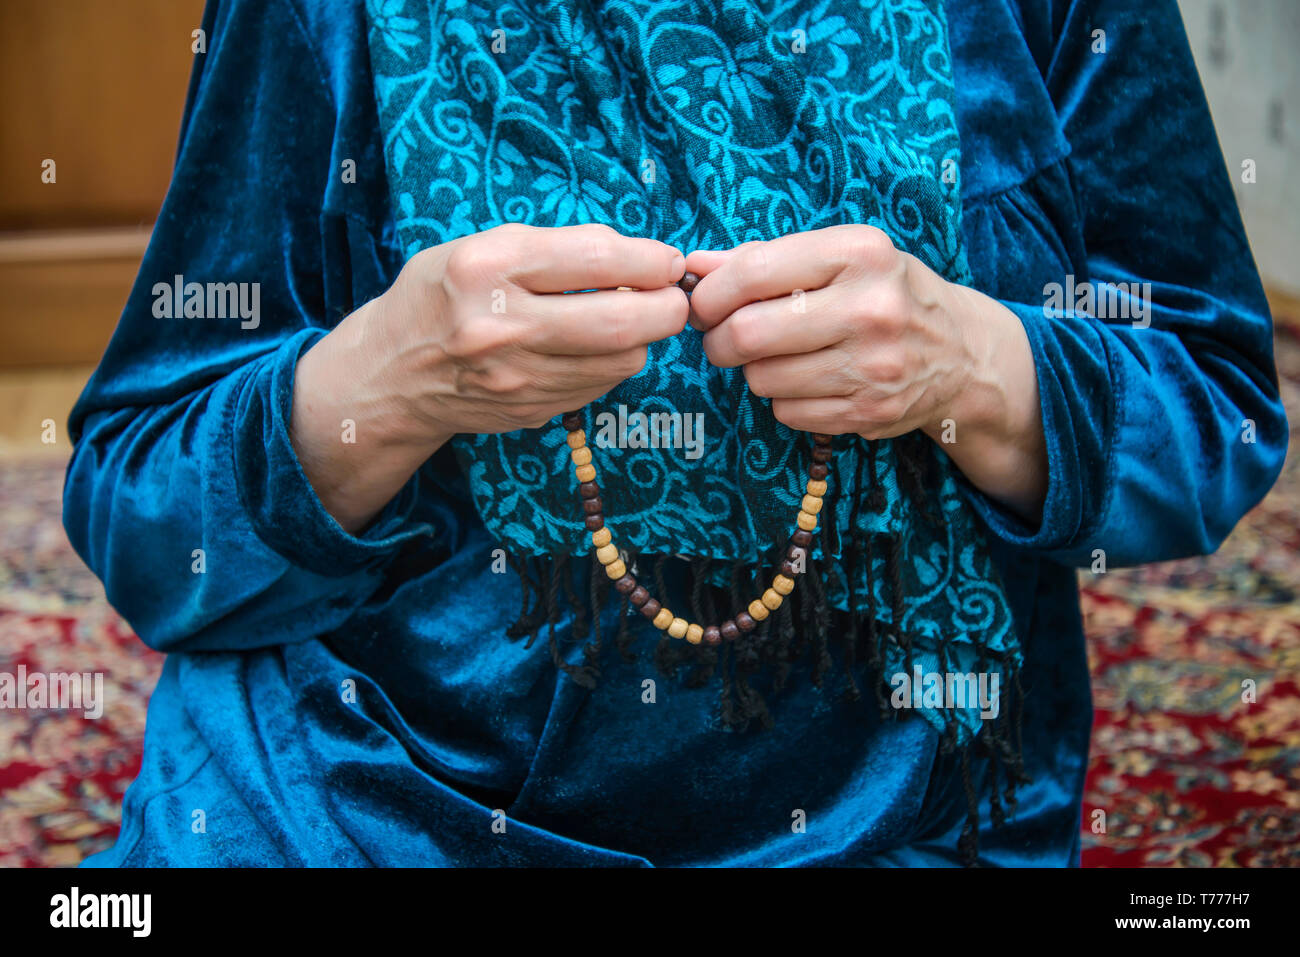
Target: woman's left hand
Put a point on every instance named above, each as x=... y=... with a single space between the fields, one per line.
x=846 y=333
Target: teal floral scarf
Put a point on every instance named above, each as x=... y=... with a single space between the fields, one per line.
x=706 y=125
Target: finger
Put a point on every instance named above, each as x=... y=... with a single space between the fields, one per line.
x=556 y=374
x=763 y=270
x=602 y=322
x=812 y=375
x=704 y=261
x=558 y=259
x=777 y=327
x=824 y=414
x=799 y=261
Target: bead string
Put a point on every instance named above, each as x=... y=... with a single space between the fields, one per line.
x=625 y=582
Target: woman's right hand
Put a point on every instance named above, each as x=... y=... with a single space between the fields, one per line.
x=476 y=335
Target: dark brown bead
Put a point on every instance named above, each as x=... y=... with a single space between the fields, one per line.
x=818 y=470
x=712 y=635
x=639 y=596
x=821 y=438
x=651 y=608
x=745 y=623
x=821 y=453
x=572 y=421
x=588 y=489
x=688 y=282
x=592 y=506
x=595 y=522
x=801 y=538
x=729 y=630
x=625 y=584
x=788 y=569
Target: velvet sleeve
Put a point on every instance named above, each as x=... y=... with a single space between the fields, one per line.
x=1159 y=438
x=183 y=493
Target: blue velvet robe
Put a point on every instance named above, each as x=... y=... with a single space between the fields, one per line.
x=1100 y=165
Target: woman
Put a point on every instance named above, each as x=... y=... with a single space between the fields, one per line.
x=891 y=210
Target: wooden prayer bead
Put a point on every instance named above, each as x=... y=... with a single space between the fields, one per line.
x=571 y=420
x=677 y=628
x=818 y=470
x=585 y=473
x=592 y=506
x=594 y=522
x=788 y=569
x=601 y=537
x=588 y=489
x=607 y=553
x=782 y=585
x=625 y=585
x=757 y=610
x=801 y=538
x=745 y=623
x=688 y=282
x=616 y=568
x=694 y=633
x=816 y=487
x=797 y=555
x=651 y=608
x=729 y=630
x=712 y=635
x=821 y=453
x=806 y=521
x=821 y=438
x=581 y=456
x=639 y=596
x=812 y=504
x=576 y=439
x=772 y=600
x=663 y=619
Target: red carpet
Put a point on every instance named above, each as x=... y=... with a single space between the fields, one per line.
x=1186 y=771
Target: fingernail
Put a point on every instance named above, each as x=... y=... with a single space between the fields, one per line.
x=679 y=266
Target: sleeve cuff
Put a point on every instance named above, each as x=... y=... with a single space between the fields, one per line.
x=1077 y=412
x=283 y=507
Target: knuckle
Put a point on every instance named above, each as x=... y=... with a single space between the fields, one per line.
x=630 y=363
x=471 y=261
x=759 y=381
x=746 y=334
x=887 y=368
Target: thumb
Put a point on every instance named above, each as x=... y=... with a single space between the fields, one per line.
x=704 y=261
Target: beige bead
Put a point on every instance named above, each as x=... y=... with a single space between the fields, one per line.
x=577 y=439
x=694 y=633
x=807 y=521
x=607 y=553
x=585 y=473
x=663 y=619
x=782 y=585
x=677 y=628
x=581 y=456
x=772 y=600
x=817 y=487
x=601 y=537
x=616 y=569
x=757 y=610
x=812 y=504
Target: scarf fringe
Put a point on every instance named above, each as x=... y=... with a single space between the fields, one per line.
x=804 y=627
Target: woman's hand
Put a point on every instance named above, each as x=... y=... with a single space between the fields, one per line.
x=476 y=335
x=845 y=333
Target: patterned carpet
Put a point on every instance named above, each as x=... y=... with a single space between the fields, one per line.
x=1184 y=771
